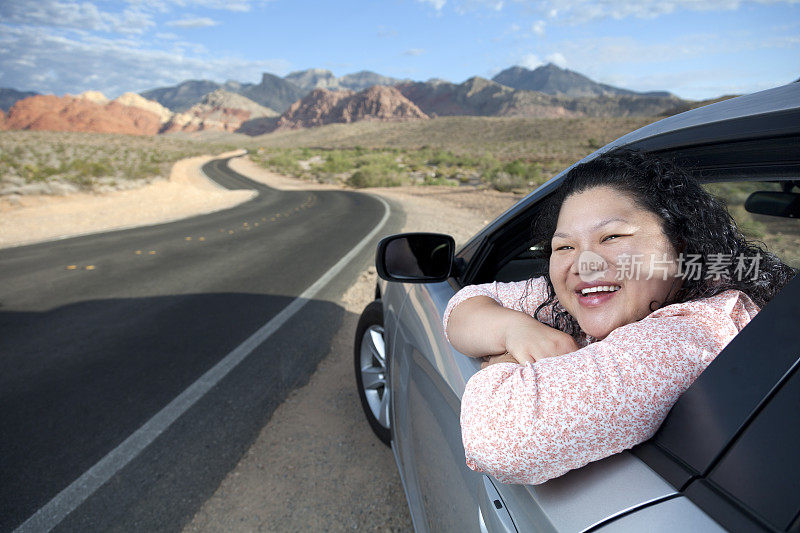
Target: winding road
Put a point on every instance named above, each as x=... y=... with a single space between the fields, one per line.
x=137 y=366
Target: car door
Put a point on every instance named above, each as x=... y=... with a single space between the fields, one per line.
x=427 y=386
x=730 y=442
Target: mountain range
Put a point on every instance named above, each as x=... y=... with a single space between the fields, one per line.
x=550 y=79
x=316 y=96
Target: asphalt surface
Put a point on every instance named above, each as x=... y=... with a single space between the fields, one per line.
x=98 y=333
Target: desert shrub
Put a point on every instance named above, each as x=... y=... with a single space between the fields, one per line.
x=505 y=182
x=374 y=175
x=338 y=161
x=440 y=179
x=285 y=163
x=516 y=174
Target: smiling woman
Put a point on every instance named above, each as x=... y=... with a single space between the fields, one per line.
x=648 y=280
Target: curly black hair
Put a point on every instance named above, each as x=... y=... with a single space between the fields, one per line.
x=695 y=222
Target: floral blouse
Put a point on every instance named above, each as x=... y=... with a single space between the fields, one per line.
x=533 y=422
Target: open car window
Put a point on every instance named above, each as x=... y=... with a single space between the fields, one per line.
x=780 y=235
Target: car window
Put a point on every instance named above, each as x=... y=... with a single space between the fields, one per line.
x=780 y=235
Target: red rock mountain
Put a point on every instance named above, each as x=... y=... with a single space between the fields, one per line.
x=326 y=107
x=70 y=113
x=220 y=110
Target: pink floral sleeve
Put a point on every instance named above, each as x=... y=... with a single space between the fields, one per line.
x=530 y=423
x=506 y=294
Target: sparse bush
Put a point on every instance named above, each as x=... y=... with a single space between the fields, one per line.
x=505 y=182
x=85 y=158
x=284 y=163
x=338 y=161
x=374 y=175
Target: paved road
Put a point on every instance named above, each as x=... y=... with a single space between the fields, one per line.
x=99 y=333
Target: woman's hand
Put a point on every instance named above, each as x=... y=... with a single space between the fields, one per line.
x=480 y=327
x=528 y=341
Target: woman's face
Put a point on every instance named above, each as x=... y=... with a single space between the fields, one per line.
x=610 y=259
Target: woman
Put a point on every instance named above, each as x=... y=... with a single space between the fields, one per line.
x=648 y=280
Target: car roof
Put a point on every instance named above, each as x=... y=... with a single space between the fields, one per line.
x=765 y=113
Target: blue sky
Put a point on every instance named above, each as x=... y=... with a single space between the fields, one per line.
x=694 y=48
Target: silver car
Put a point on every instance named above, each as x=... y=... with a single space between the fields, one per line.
x=726 y=456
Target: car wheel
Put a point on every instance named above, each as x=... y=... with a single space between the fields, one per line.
x=371 y=368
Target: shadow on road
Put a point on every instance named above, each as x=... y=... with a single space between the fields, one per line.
x=72 y=391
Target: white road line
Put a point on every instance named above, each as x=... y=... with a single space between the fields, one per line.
x=66 y=501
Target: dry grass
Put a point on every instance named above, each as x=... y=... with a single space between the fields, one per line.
x=43 y=162
x=553 y=142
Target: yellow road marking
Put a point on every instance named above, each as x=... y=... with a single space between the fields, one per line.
x=152 y=252
x=201 y=239
x=230 y=231
x=188 y=238
x=89 y=267
x=138 y=252
x=72 y=267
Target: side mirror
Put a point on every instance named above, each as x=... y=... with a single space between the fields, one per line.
x=415 y=257
x=777 y=204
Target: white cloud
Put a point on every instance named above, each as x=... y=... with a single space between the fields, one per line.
x=530 y=61
x=581 y=11
x=437 y=4
x=414 y=52
x=74 y=15
x=557 y=58
x=196 y=22
x=164 y=6
x=52 y=63
x=538 y=27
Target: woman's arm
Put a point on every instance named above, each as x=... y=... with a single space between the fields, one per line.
x=496 y=318
x=480 y=326
x=531 y=423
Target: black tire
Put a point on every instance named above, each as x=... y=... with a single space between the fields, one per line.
x=368 y=363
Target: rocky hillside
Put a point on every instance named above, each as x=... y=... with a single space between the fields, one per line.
x=182 y=96
x=314 y=78
x=131 y=113
x=273 y=92
x=135 y=100
x=220 y=110
x=322 y=106
x=551 y=79
x=9 y=97
x=481 y=97
x=317 y=78
x=92 y=113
